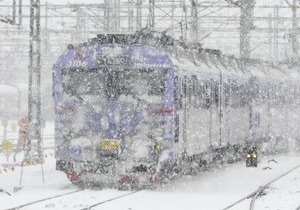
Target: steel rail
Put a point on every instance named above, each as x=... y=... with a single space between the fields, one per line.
x=255 y=196
x=44 y=199
x=109 y=200
x=268 y=184
x=257 y=192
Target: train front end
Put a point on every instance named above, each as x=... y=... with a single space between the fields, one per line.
x=115 y=114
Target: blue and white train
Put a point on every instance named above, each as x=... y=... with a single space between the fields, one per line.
x=134 y=109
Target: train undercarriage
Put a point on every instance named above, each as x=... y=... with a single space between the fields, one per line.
x=115 y=172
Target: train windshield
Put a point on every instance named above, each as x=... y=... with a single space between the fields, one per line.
x=111 y=84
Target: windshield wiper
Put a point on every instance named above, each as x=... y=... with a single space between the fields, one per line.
x=79 y=97
x=139 y=99
x=74 y=93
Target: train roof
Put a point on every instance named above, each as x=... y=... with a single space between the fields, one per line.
x=192 y=56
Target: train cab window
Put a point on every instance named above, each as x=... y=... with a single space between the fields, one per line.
x=112 y=84
x=145 y=82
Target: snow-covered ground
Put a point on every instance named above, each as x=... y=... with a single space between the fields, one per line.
x=214 y=189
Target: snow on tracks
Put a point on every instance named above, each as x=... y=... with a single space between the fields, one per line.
x=259 y=191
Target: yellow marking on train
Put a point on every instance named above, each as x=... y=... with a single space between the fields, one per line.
x=109 y=145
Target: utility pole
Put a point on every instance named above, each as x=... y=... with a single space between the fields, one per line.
x=139 y=14
x=184 y=25
x=294 y=35
x=20 y=14
x=173 y=18
x=107 y=15
x=276 y=22
x=194 y=13
x=270 y=37
x=130 y=15
x=14 y=12
x=115 y=16
x=295 y=45
x=34 y=145
x=246 y=24
x=46 y=33
x=151 y=14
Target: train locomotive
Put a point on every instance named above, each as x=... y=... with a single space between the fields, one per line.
x=136 y=109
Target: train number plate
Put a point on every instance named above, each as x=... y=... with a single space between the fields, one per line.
x=109 y=145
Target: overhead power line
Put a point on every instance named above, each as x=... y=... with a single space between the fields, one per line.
x=236 y=3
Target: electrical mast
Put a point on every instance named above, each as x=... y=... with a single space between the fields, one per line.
x=34 y=151
x=246 y=25
x=295 y=31
x=194 y=13
x=294 y=35
x=151 y=14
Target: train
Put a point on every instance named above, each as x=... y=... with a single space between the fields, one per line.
x=133 y=110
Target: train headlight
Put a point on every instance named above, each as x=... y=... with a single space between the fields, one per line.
x=254 y=155
x=248 y=156
x=75 y=151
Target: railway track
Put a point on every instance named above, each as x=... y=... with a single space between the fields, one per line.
x=258 y=192
x=29 y=204
x=42 y=200
x=109 y=200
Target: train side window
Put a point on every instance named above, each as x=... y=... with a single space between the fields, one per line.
x=292 y=94
x=207 y=92
x=233 y=95
x=198 y=94
x=202 y=95
x=176 y=92
x=244 y=96
x=181 y=92
x=194 y=96
x=269 y=94
x=216 y=93
x=183 y=95
x=226 y=94
x=189 y=92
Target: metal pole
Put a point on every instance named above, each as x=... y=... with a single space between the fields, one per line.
x=270 y=37
x=20 y=13
x=34 y=86
x=14 y=12
x=46 y=38
x=151 y=14
x=194 y=13
x=139 y=14
x=107 y=15
x=295 y=35
x=246 y=24
x=130 y=15
x=220 y=108
x=276 y=11
x=173 y=18
x=184 y=26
